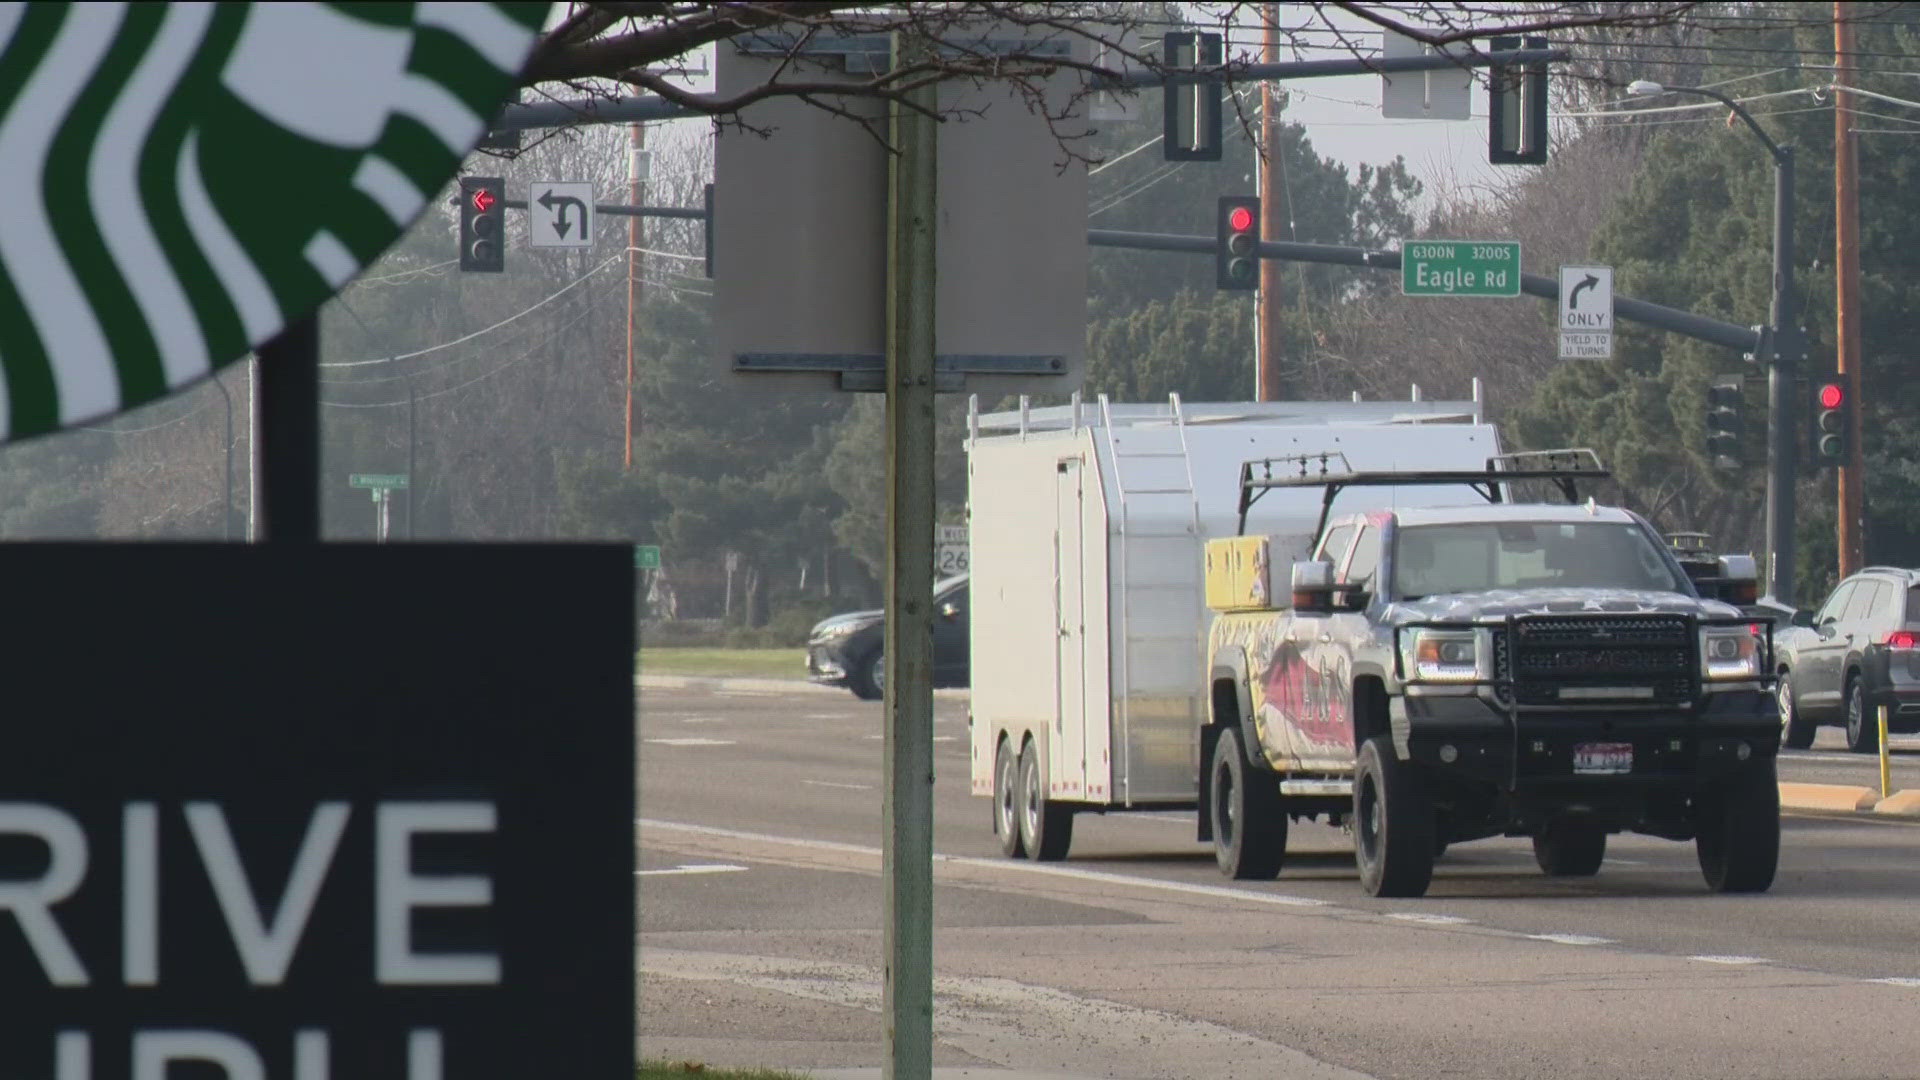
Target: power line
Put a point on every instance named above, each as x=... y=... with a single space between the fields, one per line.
x=477 y=333
x=462 y=386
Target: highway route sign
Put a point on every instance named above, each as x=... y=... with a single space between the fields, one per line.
x=646 y=556
x=950 y=550
x=560 y=215
x=1586 y=312
x=1460 y=267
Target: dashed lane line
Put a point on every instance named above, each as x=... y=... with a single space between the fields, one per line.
x=691 y=742
x=1570 y=939
x=694 y=868
x=1317 y=906
x=831 y=784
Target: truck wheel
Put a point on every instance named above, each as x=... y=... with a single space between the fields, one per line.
x=1046 y=827
x=1796 y=731
x=1392 y=823
x=1738 y=831
x=1570 y=849
x=1249 y=828
x=1863 y=733
x=1006 y=801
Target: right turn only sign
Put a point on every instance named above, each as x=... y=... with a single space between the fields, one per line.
x=1586 y=312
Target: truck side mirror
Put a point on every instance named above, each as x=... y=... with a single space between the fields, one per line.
x=1312 y=587
x=1740 y=579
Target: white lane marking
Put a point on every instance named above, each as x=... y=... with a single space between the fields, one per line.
x=703 y=719
x=749 y=693
x=1624 y=862
x=692 y=742
x=696 y=868
x=1428 y=919
x=1899 y=980
x=1003 y=864
x=1570 y=939
x=831 y=784
x=1733 y=960
x=946 y=738
x=876 y=736
x=823 y=716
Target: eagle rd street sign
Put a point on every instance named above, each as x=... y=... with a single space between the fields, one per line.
x=1460 y=268
x=1586 y=312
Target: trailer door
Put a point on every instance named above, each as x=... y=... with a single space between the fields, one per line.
x=1066 y=763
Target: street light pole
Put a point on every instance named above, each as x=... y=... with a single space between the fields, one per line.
x=1783 y=355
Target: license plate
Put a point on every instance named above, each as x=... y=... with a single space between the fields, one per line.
x=1603 y=757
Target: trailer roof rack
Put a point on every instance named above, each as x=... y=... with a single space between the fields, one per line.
x=1562 y=467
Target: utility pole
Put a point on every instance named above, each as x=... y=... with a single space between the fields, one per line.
x=1846 y=261
x=1267 y=324
x=636 y=149
x=906 y=859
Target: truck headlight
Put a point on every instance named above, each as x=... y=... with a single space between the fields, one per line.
x=1729 y=653
x=1447 y=656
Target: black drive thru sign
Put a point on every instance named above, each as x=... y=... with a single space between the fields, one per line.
x=340 y=813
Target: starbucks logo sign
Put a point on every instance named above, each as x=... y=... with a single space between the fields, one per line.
x=183 y=180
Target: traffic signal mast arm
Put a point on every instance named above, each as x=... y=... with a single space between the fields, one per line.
x=552 y=114
x=1745 y=339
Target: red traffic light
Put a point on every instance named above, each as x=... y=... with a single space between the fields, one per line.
x=483 y=200
x=1831 y=395
x=1240 y=219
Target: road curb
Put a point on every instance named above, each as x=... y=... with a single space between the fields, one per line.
x=1826 y=798
x=1900 y=804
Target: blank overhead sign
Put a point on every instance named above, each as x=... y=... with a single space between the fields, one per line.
x=1443 y=94
x=800 y=237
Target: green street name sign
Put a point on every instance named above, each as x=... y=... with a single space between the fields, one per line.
x=377 y=480
x=646 y=557
x=1460 y=268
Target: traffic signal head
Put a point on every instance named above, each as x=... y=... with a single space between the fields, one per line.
x=1830 y=422
x=483 y=219
x=1236 y=261
x=1725 y=424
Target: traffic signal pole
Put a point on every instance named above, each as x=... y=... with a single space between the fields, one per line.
x=1782 y=432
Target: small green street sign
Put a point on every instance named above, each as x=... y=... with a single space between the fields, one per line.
x=1460 y=268
x=377 y=480
x=646 y=557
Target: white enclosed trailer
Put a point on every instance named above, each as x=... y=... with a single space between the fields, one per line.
x=1087 y=527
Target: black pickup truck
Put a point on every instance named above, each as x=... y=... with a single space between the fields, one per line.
x=1437 y=675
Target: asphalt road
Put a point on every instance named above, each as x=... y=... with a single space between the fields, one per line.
x=761 y=942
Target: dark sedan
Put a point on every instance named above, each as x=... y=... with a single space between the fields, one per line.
x=848 y=650
x=1859 y=651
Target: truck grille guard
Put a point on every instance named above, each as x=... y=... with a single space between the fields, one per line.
x=1652 y=660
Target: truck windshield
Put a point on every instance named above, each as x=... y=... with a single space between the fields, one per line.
x=1431 y=560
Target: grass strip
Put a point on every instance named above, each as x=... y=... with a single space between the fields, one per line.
x=685 y=1070
x=722 y=663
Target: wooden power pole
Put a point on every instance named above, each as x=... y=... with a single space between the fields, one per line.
x=1846 y=261
x=1268 y=303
